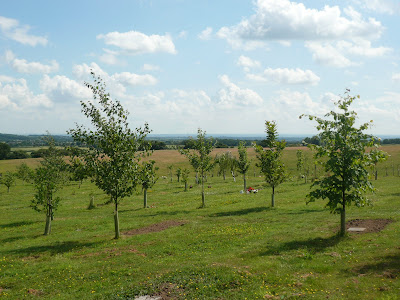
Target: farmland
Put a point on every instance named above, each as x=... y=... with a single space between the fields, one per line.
x=235 y=248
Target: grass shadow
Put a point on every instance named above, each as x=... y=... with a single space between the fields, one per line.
x=169 y=213
x=17 y=224
x=303 y=211
x=58 y=248
x=241 y=212
x=388 y=266
x=314 y=245
x=11 y=239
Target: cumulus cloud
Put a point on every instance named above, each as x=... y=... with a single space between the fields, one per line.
x=247 y=63
x=23 y=66
x=134 y=42
x=336 y=53
x=63 y=89
x=17 y=95
x=205 y=34
x=135 y=79
x=286 y=76
x=380 y=6
x=232 y=95
x=286 y=20
x=12 y=29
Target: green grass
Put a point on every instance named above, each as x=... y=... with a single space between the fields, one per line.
x=235 y=248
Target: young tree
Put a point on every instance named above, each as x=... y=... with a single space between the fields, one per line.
x=147 y=178
x=344 y=146
x=25 y=173
x=243 y=163
x=376 y=157
x=300 y=161
x=8 y=179
x=225 y=162
x=114 y=150
x=49 y=177
x=200 y=158
x=270 y=161
x=178 y=173
x=170 y=171
x=185 y=177
x=78 y=170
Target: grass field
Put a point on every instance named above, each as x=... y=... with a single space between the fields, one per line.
x=235 y=248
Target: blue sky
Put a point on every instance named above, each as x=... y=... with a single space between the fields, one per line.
x=225 y=66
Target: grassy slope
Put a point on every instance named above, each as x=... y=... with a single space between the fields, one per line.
x=236 y=248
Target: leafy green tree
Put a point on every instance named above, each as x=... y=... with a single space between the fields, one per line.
x=25 y=173
x=147 y=178
x=169 y=167
x=300 y=160
x=5 y=150
x=113 y=153
x=178 y=173
x=200 y=158
x=377 y=156
x=243 y=163
x=225 y=162
x=344 y=147
x=185 y=177
x=49 y=177
x=269 y=159
x=8 y=179
x=78 y=170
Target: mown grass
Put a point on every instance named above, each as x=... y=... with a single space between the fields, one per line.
x=235 y=248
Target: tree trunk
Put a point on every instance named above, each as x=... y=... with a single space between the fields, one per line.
x=185 y=186
x=273 y=197
x=8 y=189
x=224 y=175
x=244 y=182
x=376 y=174
x=47 y=229
x=116 y=220
x=203 y=200
x=145 y=198
x=343 y=219
x=91 y=204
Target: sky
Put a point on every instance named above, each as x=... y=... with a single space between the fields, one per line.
x=223 y=66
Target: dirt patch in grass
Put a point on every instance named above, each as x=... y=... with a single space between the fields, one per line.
x=155 y=227
x=370 y=225
x=34 y=292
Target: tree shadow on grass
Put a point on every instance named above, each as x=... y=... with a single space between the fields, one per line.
x=240 y=212
x=17 y=224
x=388 y=266
x=303 y=211
x=57 y=248
x=169 y=213
x=314 y=245
x=11 y=239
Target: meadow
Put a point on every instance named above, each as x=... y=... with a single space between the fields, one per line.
x=238 y=247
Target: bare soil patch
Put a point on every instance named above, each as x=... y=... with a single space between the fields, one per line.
x=370 y=225
x=155 y=227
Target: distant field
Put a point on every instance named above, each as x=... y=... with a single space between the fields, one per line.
x=235 y=248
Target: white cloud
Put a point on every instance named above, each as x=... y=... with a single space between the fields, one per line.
x=232 y=95
x=23 y=66
x=4 y=78
x=109 y=57
x=396 y=77
x=134 y=42
x=11 y=29
x=336 y=53
x=62 y=89
x=286 y=20
x=286 y=76
x=380 y=6
x=294 y=103
x=135 y=79
x=326 y=54
x=247 y=63
x=17 y=95
x=205 y=34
